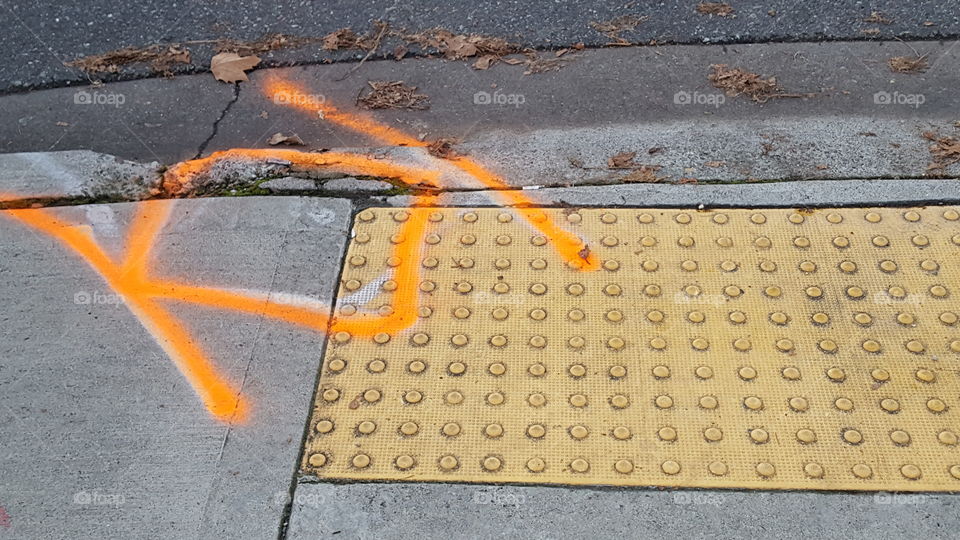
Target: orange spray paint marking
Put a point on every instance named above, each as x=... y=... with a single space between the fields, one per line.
x=219 y=398
x=364 y=325
x=286 y=92
x=180 y=173
x=131 y=278
x=570 y=247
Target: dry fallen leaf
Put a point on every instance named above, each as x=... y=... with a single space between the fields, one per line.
x=908 y=64
x=443 y=148
x=484 y=61
x=280 y=138
x=944 y=150
x=737 y=81
x=230 y=67
x=623 y=160
x=343 y=38
x=715 y=164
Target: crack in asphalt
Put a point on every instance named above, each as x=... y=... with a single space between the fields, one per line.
x=216 y=123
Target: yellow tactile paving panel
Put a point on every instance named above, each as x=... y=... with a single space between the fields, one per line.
x=769 y=348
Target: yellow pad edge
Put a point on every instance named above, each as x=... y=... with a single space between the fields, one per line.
x=763 y=348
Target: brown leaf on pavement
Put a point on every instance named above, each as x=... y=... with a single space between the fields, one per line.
x=230 y=67
x=736 y=82
x=393 y=95
x=715 y=164
x=443 y=148
x=908 y=64
x=484 y=61
x=944 y=150
x=720 y=9
x=459 y=46
x=623 y=160
x=280 y=138
x=344 y=38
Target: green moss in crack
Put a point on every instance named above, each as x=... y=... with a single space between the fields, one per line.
x=250 y=190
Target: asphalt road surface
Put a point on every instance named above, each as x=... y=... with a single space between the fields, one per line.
x=39 y=36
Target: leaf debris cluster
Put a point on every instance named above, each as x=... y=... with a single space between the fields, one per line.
x=161 y=59
x=443 y=148
x=639 y=173
x=270 y=42
x=945 y=151
x=484 y=50
x=393 y=95
x=614 y=27
x=740 y=82
x=908 y=64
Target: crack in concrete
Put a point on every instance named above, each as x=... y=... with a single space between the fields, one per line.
x=376 y=197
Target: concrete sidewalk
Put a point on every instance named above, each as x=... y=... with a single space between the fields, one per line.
x=106 y=438
x=103 y=436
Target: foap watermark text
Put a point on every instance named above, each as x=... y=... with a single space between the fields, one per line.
x=96 y=97
x=898 y=98
x=683 y=97
x=497 y=97
x=97 y=298
x=95 y=498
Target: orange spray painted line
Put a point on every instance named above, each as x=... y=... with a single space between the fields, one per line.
x=219 y=398
x=403 y=316
x=180 y=173
x=570 y=247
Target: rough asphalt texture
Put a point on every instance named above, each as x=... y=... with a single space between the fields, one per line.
x=102 y=435
x=42 y=35
x=861 y=121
